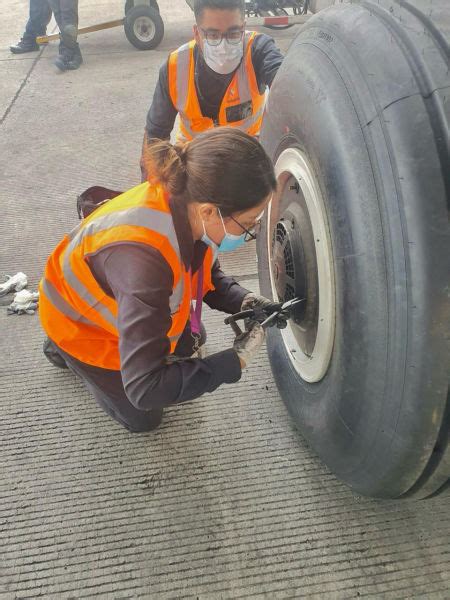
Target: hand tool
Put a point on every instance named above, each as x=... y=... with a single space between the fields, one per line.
x=271 y=314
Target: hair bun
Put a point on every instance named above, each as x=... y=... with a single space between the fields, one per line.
x=167 y=164
x=181 y=149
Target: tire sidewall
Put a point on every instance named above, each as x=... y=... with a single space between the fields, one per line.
x=349 y=416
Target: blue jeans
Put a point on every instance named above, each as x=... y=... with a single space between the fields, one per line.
x=66 y=16
x=39 y=18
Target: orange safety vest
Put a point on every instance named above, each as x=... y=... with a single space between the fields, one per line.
x=74 y=310
x=243 y=88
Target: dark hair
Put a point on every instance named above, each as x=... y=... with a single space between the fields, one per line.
x=224 y=166
x=200 y=5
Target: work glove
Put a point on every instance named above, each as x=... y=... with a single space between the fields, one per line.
x=258 y=303
x=13 y=284
x=248 y=343
x=24 y=302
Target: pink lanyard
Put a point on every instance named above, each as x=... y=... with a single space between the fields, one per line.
x=196 y=314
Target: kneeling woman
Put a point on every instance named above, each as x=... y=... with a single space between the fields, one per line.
x=121 y=296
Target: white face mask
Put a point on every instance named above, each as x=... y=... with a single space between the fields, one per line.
x=223 y=58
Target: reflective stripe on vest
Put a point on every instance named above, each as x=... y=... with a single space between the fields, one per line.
x=75 y=311
x=62 y=305
x=153 y=220
x=184 y=95
x=139 y=217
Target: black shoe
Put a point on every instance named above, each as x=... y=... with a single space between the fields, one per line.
x=150 y=420
x=52 y=354
x=25 y=45
x=69 y=61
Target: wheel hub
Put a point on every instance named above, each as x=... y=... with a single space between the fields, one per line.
x=301 y=264
x=144 y=29
x=288 y=264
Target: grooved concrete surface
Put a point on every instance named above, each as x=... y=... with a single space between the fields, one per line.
x=225 y=500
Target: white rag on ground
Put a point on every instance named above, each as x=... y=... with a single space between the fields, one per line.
x=24 y=302
x=13 y=283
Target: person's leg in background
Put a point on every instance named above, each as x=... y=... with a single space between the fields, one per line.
x=39 y=17
x=66 y=15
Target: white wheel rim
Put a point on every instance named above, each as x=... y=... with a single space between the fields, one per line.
x=144 y=29
x=312 y=368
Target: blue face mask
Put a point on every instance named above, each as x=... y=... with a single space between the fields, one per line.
x=229 y=243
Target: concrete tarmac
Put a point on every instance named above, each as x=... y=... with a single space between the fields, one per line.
x=225 y=500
